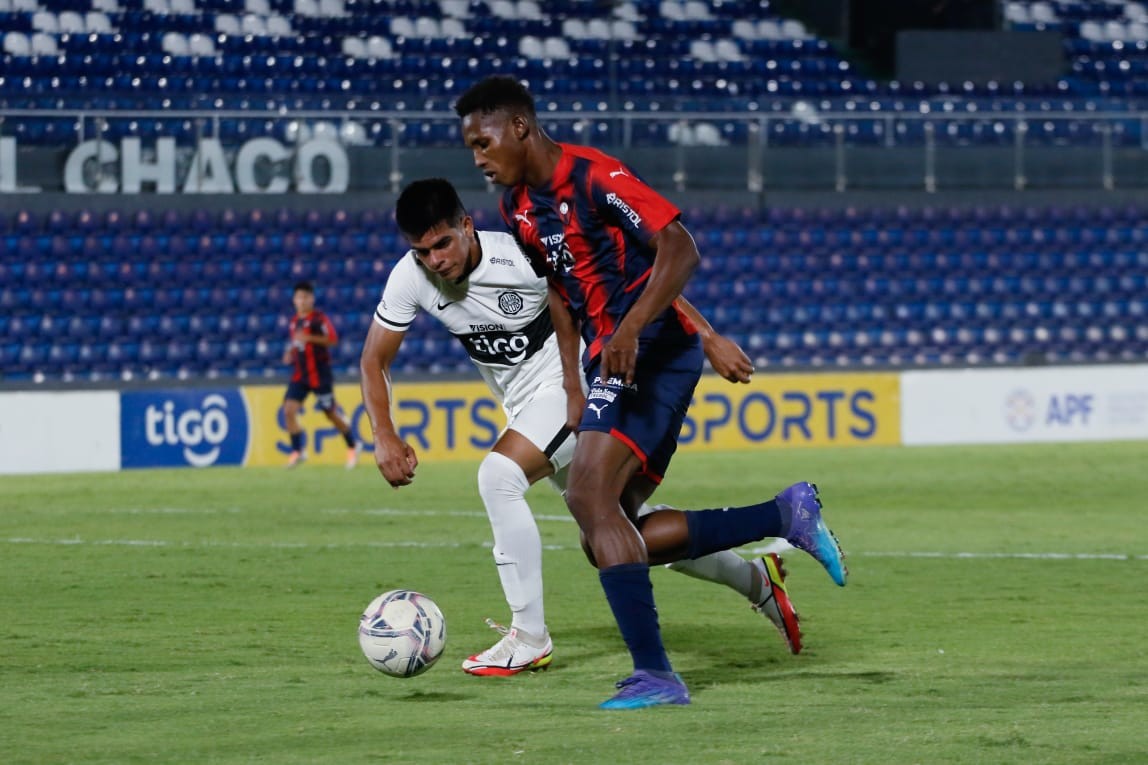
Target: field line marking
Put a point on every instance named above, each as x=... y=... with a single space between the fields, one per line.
x=774 y=547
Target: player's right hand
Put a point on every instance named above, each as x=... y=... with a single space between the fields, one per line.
x=395 y=459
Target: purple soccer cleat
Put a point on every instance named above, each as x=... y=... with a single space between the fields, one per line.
x=807 y=531
x=642 y=689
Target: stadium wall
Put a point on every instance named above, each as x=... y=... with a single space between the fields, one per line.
x=944 y=163
x=71 y=431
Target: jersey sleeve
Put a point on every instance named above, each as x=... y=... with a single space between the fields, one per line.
x=322 y=326
x=521 y=226
x=399 y=304
x=627 y=201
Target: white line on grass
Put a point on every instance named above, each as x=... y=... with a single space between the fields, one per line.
x=778 y=546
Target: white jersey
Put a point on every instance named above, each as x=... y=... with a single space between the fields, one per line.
x=499 y=312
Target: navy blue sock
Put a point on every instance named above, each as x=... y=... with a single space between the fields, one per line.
x=631 y=597
x=350 y=439
x=297 y=441
x=714 y=530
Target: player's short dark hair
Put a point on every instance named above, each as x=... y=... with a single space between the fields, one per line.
x=426 y=203
x=303 y=286
x=494 y=93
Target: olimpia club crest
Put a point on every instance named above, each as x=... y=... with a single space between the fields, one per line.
x=510 y=303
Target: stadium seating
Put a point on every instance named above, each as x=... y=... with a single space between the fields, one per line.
x=97 y=296
x=736 y=56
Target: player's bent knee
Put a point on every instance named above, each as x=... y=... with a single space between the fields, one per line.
x=500 y=478
x=587 y=550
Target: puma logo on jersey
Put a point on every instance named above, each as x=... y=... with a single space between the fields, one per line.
x=596 y=409
x=521 y=216
x=616 y=173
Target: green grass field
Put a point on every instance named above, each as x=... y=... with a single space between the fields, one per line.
x=996 y=614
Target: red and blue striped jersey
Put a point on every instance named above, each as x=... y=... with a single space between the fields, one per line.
x=311 y=364
x=589 y=231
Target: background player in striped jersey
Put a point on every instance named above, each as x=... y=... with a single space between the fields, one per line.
x=482 y=288
x=309 y=354
x=617 y=257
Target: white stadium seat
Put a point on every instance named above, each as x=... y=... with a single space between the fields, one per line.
x=503 y=9
x=727 y=50
x=623 y=29
x=531 y=47
x=355 y=47
x=556 y=48
x=792 y=29
x=227 y=24
x=529 y=10
x=45 y=21
x=768 y=29
x=200 y=45
x=427 y=27
x=253 y=25
x=696 y=10
x=175 y=43
x=97 y=22
x=379 y=47
x=71 y=23
x=598 y=29
x=453 y=29
x=279 y=26
x=17 y=44
x=44 y=45
x=574 y=29
x=307 y=7
x=702 y=50
x=455 y=9
x=745 y=29
x=401 y=26
x=671 y=10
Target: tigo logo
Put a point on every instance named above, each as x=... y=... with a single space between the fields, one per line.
x=173 y=428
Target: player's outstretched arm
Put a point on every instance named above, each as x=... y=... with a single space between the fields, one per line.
x=675 y=260
x=566 y=333
x=726 y=357
x=395 y=459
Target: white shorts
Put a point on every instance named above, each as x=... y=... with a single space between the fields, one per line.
x=542 y=420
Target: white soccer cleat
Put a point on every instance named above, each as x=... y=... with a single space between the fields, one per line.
x=775 y=603
x=508 y=656
x=353 y=453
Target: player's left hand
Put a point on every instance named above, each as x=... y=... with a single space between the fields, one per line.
x=728 y=359
x=620 y=356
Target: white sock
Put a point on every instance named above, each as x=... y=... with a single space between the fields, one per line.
x=724 y=567
x=517 y=543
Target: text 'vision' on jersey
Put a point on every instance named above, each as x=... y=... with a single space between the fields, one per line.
x=590 y=231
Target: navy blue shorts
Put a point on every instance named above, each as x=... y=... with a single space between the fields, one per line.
x=297 y=390
x=647 y=416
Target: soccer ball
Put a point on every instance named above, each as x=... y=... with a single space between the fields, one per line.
x=402 y=633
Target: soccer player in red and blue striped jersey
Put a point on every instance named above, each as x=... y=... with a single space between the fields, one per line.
x=617 y=258
x=309 y=354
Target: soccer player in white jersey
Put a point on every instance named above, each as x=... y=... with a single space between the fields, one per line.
x=484 y=290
